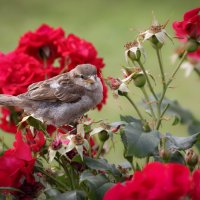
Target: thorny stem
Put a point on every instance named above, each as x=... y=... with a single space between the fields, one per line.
x=148 y=102
x=158 y=53
x=135 y=107
x=148 y=81
x=160 y=115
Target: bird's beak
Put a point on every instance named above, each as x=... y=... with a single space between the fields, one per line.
x=91 y=79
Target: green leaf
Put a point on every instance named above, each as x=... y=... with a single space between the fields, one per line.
x=72 y=195
x=176 y=120
x=194 y=127
x=101 y=164
x=139 y=143
x=51 y=192
x=36 y=123
x=129 y=119
x=174 y=143
x=97 y=185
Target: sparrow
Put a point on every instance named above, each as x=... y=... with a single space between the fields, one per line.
x=62 y=99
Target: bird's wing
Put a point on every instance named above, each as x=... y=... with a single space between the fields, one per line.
x=59 y=88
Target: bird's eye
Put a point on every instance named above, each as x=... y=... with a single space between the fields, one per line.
x=82 y=76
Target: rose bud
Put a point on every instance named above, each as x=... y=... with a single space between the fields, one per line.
x=139 y=80
x=156 y=34
x=123 y=89
x=164 y=154
x=134 y=50
x=103 y=136
x=56 y=144
x=191 y=158
x=113 y=83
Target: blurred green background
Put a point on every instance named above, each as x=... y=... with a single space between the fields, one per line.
x=108 y=24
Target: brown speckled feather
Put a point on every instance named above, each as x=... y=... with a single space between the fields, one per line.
x=64 y=90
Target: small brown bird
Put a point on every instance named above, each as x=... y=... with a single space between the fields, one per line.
x=62 y=99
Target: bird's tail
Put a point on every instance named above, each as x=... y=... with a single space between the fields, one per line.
x=9 y=100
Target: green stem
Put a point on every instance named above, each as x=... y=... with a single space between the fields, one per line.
x=134 y=105
x=148 y=102
x=160 y=118
x=63 y=186
x=148 y=81
x=158 y=53
x=89 y=150
x=100 y=149
x=64 y=165
x=160 y=115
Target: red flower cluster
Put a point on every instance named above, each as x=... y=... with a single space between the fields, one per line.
x=34 y=59
x=158 y=181
x=42 y=44
x=16 y=164
x=7 y=121
x=188 y=31
x=35 y=140
x=190 y=26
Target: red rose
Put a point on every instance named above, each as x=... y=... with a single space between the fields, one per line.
x=156 y=181
x=7 y=122
x=35 y=140
x=16 y=164
x=42 y=43
x=195 y=55
x=18 y=71
x=75 y=51
x=195 y=186
x=189 y=27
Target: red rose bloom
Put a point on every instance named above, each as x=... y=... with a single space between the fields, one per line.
x=42 y=43
x=195 y=55
x=157 y=181
x=6 y=122
x=18 y=71
x=189 y=27
x=195 y=186
x=75 y=51
x=16 y=164
x=35 y=140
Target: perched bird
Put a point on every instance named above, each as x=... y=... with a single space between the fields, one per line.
x=62 y=99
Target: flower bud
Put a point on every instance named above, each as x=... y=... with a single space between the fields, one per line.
x=156 y=34
x=146 y=127
x=123 y=90
x=155 y=42
x=139 y=80
x=113 y=83
x=103 y=136
x=191 y=158
x=133 y=51
x=164 y=154
x=56 y=144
